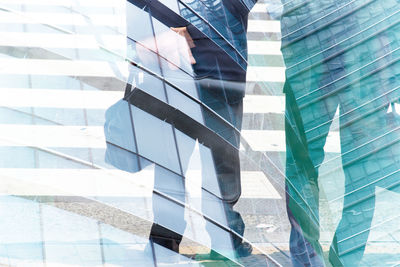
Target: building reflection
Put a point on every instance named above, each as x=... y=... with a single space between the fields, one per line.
x=343 y=59
x=86 y=173
x=120 y=128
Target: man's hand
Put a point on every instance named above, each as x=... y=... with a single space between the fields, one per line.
x=173 y=45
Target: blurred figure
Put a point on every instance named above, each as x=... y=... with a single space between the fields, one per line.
x=340 y=55
x=221 y=86
x=220 y=83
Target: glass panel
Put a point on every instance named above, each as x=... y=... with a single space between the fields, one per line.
x=147 y=83
x=142 y=34
x=118 y=128
x=179 y=78
x=139 y=54
x=184 y=104
x=201 y=179
x=120 y=158
x=197 y=161
x=169 y=183
x=155 y=139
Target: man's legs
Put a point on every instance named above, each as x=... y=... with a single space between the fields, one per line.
x=304 y=153
x=164 y=232
x=228 y=104
x=228 y=173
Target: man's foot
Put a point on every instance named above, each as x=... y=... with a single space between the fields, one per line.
x=244 y=249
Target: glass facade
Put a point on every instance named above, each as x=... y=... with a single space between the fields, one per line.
x=199 y=132
x=121 y=137
x=342 y=80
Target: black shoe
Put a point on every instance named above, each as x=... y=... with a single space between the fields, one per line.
x=244 y=249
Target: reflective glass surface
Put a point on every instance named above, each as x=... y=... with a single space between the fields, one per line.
x=120 y=136
x=199 y=133
x=341 y=83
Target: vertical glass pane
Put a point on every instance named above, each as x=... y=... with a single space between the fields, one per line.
x=184 y=104
x=118 y=127
x=155 y=139
x=148 y=83
x=142 y=33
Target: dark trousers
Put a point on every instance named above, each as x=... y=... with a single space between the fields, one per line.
x=227 y=168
